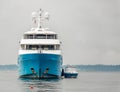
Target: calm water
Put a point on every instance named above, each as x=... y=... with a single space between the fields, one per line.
x=86 y=82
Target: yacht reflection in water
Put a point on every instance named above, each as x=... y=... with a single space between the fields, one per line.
x=46 y=85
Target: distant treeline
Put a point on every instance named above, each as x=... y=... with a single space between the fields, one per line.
x=98 y=67
x=79 y=67
x=8 y=67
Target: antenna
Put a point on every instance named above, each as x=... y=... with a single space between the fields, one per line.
x=34 y=15
x=38 y=17
x=47 y=16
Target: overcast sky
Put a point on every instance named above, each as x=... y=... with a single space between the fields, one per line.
x=89 y=29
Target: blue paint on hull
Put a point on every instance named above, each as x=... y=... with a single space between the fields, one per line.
x=40 y=62
x=70 y=75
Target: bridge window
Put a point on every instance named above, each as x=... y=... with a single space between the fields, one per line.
x=32 y=47
x=40 y=36
x=40 y=47
x=28 y=36
x=47 y=47
x=23 y=47
x=51 y=36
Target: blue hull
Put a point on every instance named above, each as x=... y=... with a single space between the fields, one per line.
x=70 y=75
x=40 y=65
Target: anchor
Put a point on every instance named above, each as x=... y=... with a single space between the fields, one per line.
x=34 y=73
x=45 y=72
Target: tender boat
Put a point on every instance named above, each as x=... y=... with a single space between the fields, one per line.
x=70 y=72
x=40 y=50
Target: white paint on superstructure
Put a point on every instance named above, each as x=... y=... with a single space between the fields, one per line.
x=21 y=52
x=39 y=31
x=40 y=41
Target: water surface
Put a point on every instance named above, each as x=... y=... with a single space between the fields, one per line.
x=86 y=82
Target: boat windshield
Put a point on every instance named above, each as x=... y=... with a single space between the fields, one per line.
x=70 y=69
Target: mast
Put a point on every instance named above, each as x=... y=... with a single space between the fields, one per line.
x=38 y=18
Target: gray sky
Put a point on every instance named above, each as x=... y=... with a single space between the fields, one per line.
x=89 y=29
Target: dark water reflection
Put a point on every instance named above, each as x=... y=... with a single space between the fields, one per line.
x=46 y=85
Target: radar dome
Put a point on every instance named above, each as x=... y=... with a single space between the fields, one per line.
x=34 y=14
x=47 y=15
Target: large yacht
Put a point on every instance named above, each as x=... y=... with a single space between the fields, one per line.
x=40 y=50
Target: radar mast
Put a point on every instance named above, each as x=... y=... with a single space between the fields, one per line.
x=39 y=18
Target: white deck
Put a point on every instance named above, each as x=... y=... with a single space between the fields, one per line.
x=40 y=41
x=39 y=31
x=58 y=52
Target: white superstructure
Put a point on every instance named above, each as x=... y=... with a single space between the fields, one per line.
x=40 y=39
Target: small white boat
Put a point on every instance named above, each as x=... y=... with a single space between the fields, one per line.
x=70 y=72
